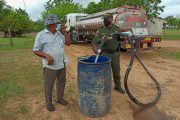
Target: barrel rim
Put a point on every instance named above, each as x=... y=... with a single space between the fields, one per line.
x=79 y=61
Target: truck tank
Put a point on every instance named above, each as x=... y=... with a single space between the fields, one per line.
x=127 y=18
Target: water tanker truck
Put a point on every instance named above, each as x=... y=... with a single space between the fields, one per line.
x=133 y=20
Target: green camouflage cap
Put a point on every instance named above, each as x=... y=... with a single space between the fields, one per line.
x=107 y=15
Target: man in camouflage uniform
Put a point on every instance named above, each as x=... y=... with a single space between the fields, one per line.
x=108 y=34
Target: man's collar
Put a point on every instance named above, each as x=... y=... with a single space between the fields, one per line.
x=46 y=30
x=109 y=26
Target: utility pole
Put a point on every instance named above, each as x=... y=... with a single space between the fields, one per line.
x=24 y=5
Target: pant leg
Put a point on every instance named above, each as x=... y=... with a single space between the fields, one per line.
x=115 y=67
x=49 y=78
x=60 y=83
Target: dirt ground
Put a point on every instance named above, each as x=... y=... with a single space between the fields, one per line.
x=167 y=71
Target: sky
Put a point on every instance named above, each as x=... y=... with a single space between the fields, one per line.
x=35 y=7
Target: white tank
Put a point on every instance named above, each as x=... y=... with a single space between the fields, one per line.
x=90 y=24
x=125 y=18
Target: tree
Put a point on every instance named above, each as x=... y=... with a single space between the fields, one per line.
x=93 y=8
x=22 y=12
x=107 y=4
x=170 y=21
x=173 y=22
x=37 y=26
x=152 y=7
x=2 y=3
x=61 y=8
x=17 y=22
x=58 y=2
x=5 y=10
x=177 y=23
x=51 y=3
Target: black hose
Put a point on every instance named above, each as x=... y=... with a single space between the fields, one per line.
x=134 y=99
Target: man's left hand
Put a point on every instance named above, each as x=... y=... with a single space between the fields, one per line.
x=63 y=28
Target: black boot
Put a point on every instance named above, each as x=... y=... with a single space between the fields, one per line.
x=50 y=107
x=62 y=101
x=119 y=89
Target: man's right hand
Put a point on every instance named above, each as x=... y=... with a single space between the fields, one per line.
x=106 y=38
x=46 y=56
x=50 y=60
x=99 y=51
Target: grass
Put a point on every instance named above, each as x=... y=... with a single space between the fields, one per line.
x=12 y=113
x=19 y=43
x=171 y=34
x=20 y=76
x=170 y=54
x=18 y=72
x=171 y=37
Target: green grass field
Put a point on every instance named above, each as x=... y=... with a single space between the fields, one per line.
x=19 y=43
x=171 y=34
x=175 y=55
x=20 y=76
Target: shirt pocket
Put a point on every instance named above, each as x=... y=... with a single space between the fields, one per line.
x=60 y=41
x=50 y=43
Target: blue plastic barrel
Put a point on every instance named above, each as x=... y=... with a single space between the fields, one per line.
x=94 y=85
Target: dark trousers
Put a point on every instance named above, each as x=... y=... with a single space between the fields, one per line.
x=115 y=66
x=49 y=78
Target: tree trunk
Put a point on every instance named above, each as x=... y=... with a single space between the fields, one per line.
x=10 y=36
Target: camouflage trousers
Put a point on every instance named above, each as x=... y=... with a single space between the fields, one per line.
x=115 y=65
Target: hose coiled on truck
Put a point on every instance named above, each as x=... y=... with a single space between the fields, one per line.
x=134 y=99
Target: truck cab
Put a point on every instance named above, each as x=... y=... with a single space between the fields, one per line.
x=72 y=18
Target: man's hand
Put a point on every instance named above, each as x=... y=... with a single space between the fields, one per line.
x=106 y=38
x=50 y=60
x=63 y=28
x=64 y=32
x=99 y=51
x=46 y=56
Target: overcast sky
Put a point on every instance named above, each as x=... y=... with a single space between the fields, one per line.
x=35 y=7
